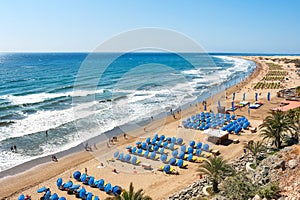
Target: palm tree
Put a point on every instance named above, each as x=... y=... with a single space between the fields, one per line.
x=255 y=148
x=276 y=126
x=216 y=168
x=131 y=195
x=294 y=116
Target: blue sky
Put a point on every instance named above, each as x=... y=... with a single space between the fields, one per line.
x=259 y=26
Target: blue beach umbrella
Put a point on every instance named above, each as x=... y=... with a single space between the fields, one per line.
x=21 y=197
x=91 y=181
x=82 y=192
x=96 y=198
x=140 y=151
x=192 y=143
x=54 y=197
x=47 y=195
x=190 y=150
x=144 y=145
x=146 y=154
x=190 y=157
x=107 y=188
x=116 y=154
x=219 y=104
x=181 y=155
x=269 y=96
x=165 y=144
x=199 y=145
x=159 y=144
x=155 y=148
x=89 y=196
x=152 y=156
x=83 y=177
x=205 y=106
x=153 y=141
x=232 y=106
x=138 y=143
x=59 y=182
x=256 y=96
x=172 y=161
x=205 y=147
x=244 y=97
x=116 y=190
x=167 y=168
x=75 y=187
x=133 y=150
x=198 y=152
x=148 y=140
x=233 y=96
x=68 y=184
x=183 y=148
x=76 y=175
x=134 y=160
x=100 y=184
x=121 y=156
x=127 y=158
x=173 y=140
x=171 y=146
x=42 y=189
x=180 y=163
x=163 y=157
x=175 y=153
x=162 y=137
x=162 y=150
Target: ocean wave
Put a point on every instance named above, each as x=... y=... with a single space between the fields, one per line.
x=41 y=97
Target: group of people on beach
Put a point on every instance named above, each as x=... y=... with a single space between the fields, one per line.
x=13 y=148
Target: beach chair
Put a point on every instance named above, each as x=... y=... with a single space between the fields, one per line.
x=199 y=160
x=207 y=155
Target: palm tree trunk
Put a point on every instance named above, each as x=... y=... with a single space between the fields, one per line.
x=215 y=186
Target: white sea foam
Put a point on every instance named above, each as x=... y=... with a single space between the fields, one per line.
x=40 y=97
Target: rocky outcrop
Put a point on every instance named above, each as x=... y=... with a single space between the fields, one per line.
x=282 y=167
x=192 y=191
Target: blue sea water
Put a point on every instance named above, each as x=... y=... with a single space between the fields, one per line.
x=76 y=96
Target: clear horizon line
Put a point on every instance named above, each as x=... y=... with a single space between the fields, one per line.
x=209 y=52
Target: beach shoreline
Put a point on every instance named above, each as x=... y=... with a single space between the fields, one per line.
x=74 y=158
x=116 y=131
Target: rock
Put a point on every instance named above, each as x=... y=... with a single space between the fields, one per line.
x=279 y=165
x=292 y=163
x=256 y=197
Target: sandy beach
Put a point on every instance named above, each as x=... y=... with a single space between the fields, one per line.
x=152 y=180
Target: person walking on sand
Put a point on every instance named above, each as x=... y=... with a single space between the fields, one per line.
x=85 y=170
x=46 y=133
